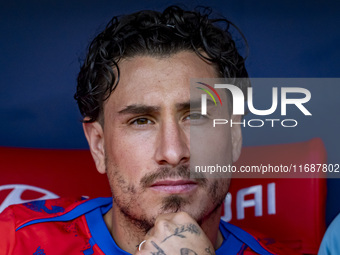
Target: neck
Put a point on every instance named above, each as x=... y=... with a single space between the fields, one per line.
x=127 y=235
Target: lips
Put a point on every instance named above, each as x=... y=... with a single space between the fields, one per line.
x=174 y=186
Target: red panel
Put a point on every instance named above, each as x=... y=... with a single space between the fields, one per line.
x=63 y=172
x=299 y=220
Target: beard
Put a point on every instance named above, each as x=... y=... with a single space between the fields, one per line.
x=128 y=198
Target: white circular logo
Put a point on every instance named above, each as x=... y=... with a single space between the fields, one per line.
x=14 y=197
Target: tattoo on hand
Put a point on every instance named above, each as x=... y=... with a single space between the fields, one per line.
x=159 y=250
x=186 y=251
x=191 y=228
x=207 y=250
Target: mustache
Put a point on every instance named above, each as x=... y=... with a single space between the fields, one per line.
x=163 y=172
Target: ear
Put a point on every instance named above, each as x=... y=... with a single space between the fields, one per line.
x=236 y=138
x=95 y=137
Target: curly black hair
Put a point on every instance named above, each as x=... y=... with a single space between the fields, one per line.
x=153 y=33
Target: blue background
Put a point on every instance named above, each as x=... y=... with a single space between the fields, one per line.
x=42 y=42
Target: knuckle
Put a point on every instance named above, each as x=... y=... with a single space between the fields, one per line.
x=161 y=221
x=183 y=215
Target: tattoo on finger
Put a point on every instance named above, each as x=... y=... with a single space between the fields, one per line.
x=186 y=251
x=159 y=249
x=190 y=228
x=207 y=250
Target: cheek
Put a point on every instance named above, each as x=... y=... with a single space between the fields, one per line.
x=119 y=184
x=220 y=138
x=212 y=147
x=219 y=189
x=129 y=157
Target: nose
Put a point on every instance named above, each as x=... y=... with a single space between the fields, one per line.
x=173 y=145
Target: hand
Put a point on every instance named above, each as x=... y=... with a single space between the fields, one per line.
x=176 y=234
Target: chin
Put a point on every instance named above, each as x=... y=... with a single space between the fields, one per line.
x=177 y=203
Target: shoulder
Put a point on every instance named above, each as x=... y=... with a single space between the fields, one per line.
x=331 y=241
x=21 y=213
x=23 y=226
x=61 y=209
x=252 y=242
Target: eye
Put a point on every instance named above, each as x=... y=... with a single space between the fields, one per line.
x=141 y=122
x=195 y=116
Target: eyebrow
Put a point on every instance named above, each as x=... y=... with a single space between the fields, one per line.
x=192 y=104
x=197 y=104
x=139 y=109
x=147 y=109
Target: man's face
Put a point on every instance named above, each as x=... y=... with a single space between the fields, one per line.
x=144 y=145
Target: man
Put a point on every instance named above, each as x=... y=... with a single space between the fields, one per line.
x=133 y=91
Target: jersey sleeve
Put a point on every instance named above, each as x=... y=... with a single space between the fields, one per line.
x=7 y=231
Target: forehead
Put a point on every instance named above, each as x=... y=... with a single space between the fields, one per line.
x=155 y=80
